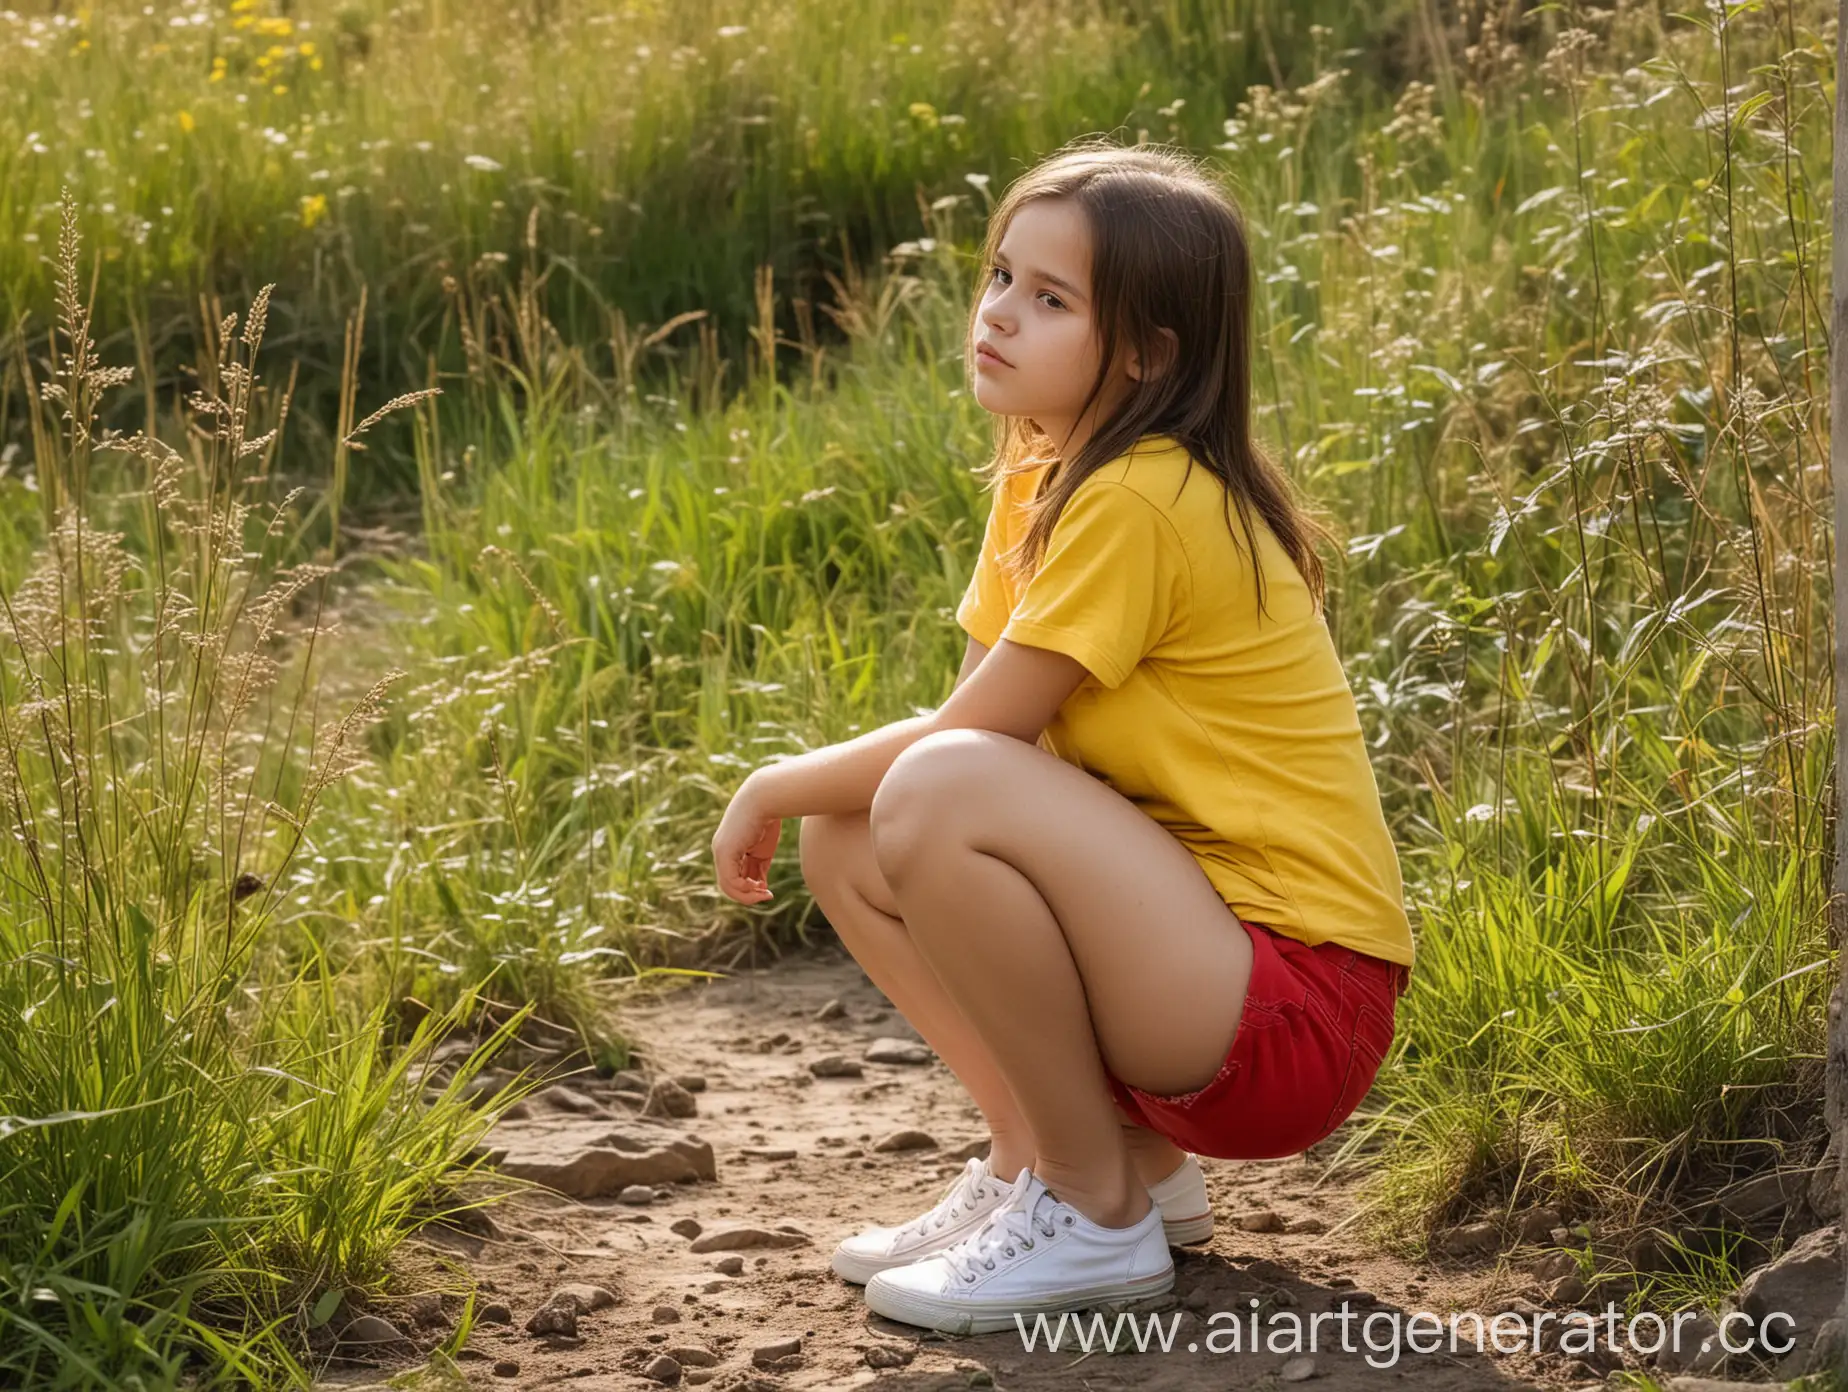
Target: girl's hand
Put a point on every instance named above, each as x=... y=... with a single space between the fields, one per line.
x=743 y=846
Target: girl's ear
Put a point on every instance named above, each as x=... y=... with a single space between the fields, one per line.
x=1171 y=347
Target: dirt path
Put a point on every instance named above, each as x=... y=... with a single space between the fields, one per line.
x=751 y=1037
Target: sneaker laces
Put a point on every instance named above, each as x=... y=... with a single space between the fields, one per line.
x=1009 y=1230
x=962 y=1197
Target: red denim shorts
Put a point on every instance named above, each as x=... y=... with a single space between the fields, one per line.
x=1316 y=1023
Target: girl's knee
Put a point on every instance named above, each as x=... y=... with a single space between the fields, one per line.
x=826 y=844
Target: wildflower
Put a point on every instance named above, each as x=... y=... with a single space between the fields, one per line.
x=218 y=70
x=305 y=49
x=314 y=208
x=925 y=114
x=482 y=163
x=186 y=122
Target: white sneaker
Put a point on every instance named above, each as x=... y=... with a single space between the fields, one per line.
x=1186 y=1216
x=1033 y=1255
x=1186 y=1211
x=975 y=1194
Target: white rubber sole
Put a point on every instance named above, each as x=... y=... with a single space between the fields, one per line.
x=992 y=1316
x=1182 y=1231
x=854 y=1268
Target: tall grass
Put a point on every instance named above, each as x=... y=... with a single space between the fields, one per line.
x=666 y=150
x=205 y=1135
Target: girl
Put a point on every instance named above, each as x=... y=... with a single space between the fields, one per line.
x=1132 y=882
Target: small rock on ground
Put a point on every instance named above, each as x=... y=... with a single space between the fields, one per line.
x=910 y=1138
x=890 y=1050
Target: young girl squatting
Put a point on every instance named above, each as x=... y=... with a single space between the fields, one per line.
x=1132 y=882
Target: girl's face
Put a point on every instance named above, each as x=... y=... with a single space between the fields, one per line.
x=1036 y=316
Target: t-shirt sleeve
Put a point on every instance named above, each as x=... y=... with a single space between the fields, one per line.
x=983 y=610
x=1112 y=584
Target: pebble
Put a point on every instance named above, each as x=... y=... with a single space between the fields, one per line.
x=554 y=1318
x=768 y=1355
x=566 y=1099
x=1297 y=1369
x=666 y=1314
x=495 y=1313
x=755 y=1152
x=506 y=1368
x=712 y=1286
x=370 y=1329
x=694 y=1356
x=1259 y=1220
x=668 y=1098
x=836 y=1066
x=729 y=1266
x=908 y=1139
x=833 y=1010
x=692 y=1082
x=888 y=1356
x=636 y=1194
x=889 y=1050
x=586 y=1296
x=1469 y=1239
x=663 y=1369
x=745 y=1237
x=687 y=1227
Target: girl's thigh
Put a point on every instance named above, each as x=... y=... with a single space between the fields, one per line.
x=1163 y=960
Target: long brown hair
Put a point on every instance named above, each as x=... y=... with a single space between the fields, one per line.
x=1168 y=250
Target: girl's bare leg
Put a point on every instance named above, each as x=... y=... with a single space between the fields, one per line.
x=838 y=864
x=1021 y=878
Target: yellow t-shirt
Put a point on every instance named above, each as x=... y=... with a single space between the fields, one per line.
x=1242 y=740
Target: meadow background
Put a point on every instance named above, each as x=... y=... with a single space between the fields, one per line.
x=327 y=737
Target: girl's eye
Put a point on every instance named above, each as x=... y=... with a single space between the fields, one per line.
x=994 y=271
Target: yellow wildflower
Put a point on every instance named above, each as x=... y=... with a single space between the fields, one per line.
x=218 y=70
x=314 y=208
x=186 y=122
x=314 y=64
x=279 y=25
x=243 y=21
x=240 y=6
x=305 y=49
